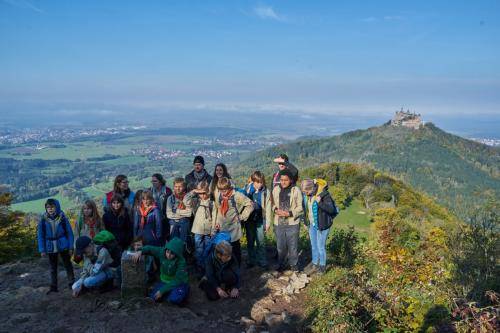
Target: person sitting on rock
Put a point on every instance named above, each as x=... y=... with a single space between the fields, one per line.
x=174 y=284
x=222 y=273
x=98 y=263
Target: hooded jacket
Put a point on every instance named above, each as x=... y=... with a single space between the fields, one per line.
x=214 y=269
x=173 y=272
x=323 y=211
x=296 y=205
x=151 y=231
x=60 y=240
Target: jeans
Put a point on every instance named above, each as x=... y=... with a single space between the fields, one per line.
x=179 y=229
x=318 y=245
x=200 y=243
x=176 y=295
x=287 y=242
x=53 y=260
x=256 y=243
x=97 y=280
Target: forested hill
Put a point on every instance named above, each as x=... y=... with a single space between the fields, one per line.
x=460 y=173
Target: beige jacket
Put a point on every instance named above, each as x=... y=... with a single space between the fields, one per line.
x=202 y=224
x=179 y=213
x=231 y=223
x=296 y=207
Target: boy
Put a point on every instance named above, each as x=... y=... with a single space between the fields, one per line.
x=179 y=211
x=97 y=262
x=55 y=238
x=173 y=274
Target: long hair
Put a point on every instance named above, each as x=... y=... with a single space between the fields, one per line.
x=137 y=199
x=118 y=180
x=215 y=179
x=160 y=178
x=90 y=204
x=118 y=198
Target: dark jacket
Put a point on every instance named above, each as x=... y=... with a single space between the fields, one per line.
x=292 y=169
x=214 y=269
x=191 y=180
x=324 y=211
x=151 y=232
x=120 y=226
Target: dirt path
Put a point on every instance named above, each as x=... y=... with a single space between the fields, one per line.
x=268 y=302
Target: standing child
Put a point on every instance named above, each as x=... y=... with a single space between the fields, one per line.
x=179 y=211
x=89 y=221
x=97 y=262
x=55 y=238
x=259 y=221
x=117 y=221
x=173 y=274
x=202 y=225
x=232 y=209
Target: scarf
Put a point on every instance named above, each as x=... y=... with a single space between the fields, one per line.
x=144 y=214
x=224 y=206
x=91 y=223
x=199 y=176
x=180 y=198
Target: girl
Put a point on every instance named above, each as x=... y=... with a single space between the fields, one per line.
x=259 y=221
x=117 y=221
x=231 y=208
x=89 y=222
x=220 y=171
x=120 y=186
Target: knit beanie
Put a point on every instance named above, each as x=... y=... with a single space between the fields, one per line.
x=199 y=159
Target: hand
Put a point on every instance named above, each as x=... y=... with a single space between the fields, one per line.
x=217 y=226
x=267 y=226
x=222 y=293
x=76 y=292
x=235 y=293
x=136 y=256
x=306 y=229
x=318 y=199
x=43 y=254
x=279 y=160
x=158 y=296
x=282 y=213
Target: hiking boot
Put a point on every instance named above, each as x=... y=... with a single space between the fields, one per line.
x=53 y=289
x=281 y=268
x=311 y=268
x=294 y=268
x=322 y=270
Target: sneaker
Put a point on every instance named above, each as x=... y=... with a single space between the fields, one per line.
x=294 y=268
x=53 y=289
x=310 y=268
x=322 y=270
x=281 y=268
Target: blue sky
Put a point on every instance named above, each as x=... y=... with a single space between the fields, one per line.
x=437 y=57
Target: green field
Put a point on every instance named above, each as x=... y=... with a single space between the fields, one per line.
x=355 y=215
x=37 y=206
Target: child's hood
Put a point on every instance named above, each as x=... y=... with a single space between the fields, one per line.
x=103 y=237
x=322 y=186
x=56 y=203
x=176 y=245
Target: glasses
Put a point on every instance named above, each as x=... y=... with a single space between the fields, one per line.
x=124 y=182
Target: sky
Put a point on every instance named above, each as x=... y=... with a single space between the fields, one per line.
x=347 y=57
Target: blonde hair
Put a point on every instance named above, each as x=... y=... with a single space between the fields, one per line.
x=224 y=248
x=224 y=184
x=203 y=186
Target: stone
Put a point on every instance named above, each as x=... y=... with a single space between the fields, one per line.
x=272 y=319
x=285 y=317
x=133 y=276
x=247 y=321
x=115 y=305
x=258 y=312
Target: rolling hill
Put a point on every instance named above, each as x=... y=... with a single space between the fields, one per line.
x=459 y=173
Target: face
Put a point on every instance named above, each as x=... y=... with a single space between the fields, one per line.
x=169 y=255
x=223 y=257
x=198 y=167
x=87 y=211
x=285 y=181
x=225 y=192
x=219 y=171
x=204 y=196
x=51 y=209
x=147 y=202
x=123 y=185
x=116 y=205
x=308 y=192
x=257 y=185
x=281 y=166
x=89 y=250
x=178 y=188
x=155 y=182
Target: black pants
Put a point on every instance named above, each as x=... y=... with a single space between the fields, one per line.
x=237 y=250
x=229 y=280
x=287 y=242
x=67 y=265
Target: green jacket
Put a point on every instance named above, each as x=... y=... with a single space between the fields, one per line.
x=172 y=272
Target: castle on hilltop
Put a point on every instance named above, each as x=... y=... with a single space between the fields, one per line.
x=407 y=119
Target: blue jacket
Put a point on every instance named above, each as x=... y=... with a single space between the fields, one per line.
x=63 y=236
x=152 y=230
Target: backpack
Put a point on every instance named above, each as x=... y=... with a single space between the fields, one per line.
x=114 y=250
x=216 y=239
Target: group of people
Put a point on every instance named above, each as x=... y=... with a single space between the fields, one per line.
x=203 y=217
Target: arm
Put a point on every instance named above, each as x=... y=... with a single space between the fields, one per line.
x=297 y=208
x=71 y=238
x=155 y=251
x=247 y=206
x=158 y=224
x=188 y=211
x=40 y=237
x=135 y=227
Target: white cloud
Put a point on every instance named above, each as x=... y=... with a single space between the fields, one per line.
x=268 y=13
x=25 y=4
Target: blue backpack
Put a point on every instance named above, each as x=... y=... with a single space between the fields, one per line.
x=216 y=239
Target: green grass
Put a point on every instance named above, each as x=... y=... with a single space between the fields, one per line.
x=37 y=206
x=352 y=216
